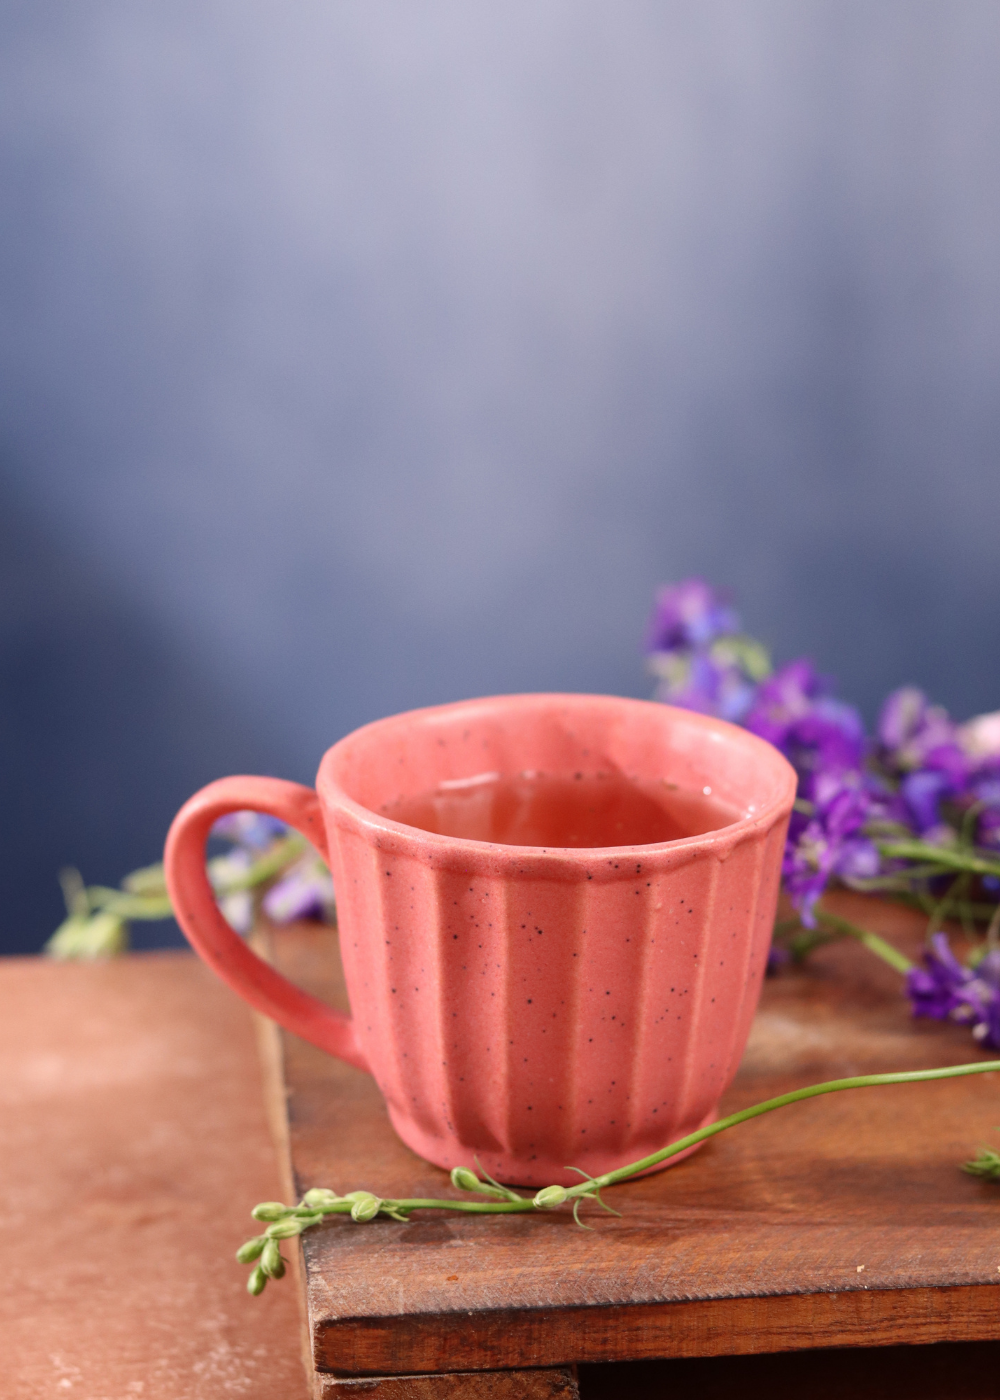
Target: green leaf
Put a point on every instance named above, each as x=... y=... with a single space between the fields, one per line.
x=150 y=880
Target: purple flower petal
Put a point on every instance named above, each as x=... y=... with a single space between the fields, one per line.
x=914 y=735
x=828 y=843
x=901 y=716
x=922 y=793
x=938 y=989
x=303 y=892
x=688 y=614
x=701 y=664
x=818 y=734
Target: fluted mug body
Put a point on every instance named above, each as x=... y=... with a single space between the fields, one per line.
x=538 y=1008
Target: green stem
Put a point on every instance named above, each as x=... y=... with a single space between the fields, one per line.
x=288 y=1221
x=937 y=915
x=273 y=861
x=128 y=906
x=484 y=1207
x=131 y=905
x=812 y=1091
x=945 y=857
x=871 y=941
x=897 y=880
x=589 y=1187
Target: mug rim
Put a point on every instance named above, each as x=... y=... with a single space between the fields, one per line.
x=334 y=795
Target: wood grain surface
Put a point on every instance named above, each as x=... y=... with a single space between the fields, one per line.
x=133 y=1143
x=840 y=1222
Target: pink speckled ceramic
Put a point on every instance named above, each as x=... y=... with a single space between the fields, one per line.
x=537 y=1008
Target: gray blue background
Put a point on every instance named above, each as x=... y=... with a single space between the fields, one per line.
x=359 y=356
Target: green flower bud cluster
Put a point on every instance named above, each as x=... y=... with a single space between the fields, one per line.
x=283 y=1223
x=98 y=919
x=89 y=936
x=272 y=1263
x=287 y=1222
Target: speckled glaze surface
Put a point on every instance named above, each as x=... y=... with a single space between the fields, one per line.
x=532 y=1007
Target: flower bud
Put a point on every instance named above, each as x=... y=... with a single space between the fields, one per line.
x=467 y=1180
x=252 y=1250
x=318 y=1197
x=269 y=1210
x=257 y=1282
x=550 y=1197
x=365 y=1207
x=271 y=1261
x=285 y=1229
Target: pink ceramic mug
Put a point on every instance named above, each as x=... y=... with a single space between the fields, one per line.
x=537 y=1007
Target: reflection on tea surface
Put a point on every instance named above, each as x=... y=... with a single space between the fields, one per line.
x=538 y=809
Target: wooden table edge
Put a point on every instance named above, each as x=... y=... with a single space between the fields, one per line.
x=270 y=1049
x=550 y=1337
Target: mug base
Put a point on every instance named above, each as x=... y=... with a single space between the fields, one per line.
x=534 y=1172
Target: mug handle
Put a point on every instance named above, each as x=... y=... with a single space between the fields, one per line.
x=212 y=937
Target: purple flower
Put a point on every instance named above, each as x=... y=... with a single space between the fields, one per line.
x=688 y=614
x=982 y=996
x=944 y=989
x=921 y=795
x=706 y=682
x=917 y=744
x=910 y=730
x=695 y=651
x=818 y=734
x=826 y=843
x=935 y=988
x=305 y=891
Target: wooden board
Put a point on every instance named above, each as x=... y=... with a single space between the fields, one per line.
x=133 y=1143
x=840 y=1222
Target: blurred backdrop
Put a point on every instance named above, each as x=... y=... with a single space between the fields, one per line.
x=359 y=356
